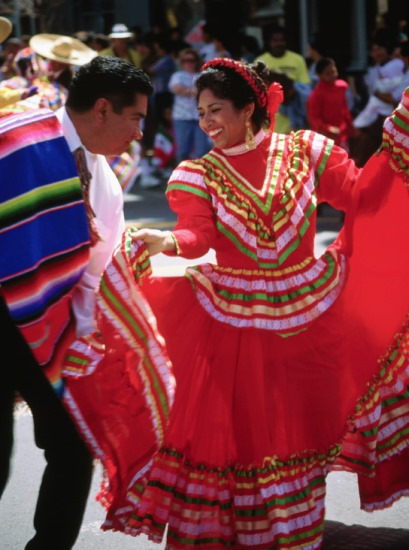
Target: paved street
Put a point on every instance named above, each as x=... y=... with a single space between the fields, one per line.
x=347 y=527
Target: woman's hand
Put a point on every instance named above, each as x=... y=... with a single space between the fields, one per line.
x=156 y=241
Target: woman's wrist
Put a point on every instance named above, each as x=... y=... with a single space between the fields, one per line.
x=172 y=244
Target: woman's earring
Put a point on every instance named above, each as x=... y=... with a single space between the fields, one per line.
x=250 y=140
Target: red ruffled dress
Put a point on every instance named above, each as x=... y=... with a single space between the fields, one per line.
x=286 y=365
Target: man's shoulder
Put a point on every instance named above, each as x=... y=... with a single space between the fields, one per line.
x=42 y=120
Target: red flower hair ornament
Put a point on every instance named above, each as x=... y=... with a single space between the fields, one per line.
x=275 y=96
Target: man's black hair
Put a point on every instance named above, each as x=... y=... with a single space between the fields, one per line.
x=112 y=78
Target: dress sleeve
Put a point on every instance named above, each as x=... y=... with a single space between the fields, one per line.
x=195 y=230
x=337 y=179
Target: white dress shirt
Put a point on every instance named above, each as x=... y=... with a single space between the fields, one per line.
x=106 y=199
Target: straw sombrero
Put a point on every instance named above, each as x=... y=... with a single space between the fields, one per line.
x=5 y=28
x=64 y=49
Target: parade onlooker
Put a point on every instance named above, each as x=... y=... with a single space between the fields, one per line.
x=177 y=42
x=219 y=45
x=11 y=48
x=190 y=139
x=385 y=67
x=386 y=75
x=120 y=37
x=315 y=52
x=279 y=59
x=99 y=42
x=162 y=68
x=327 y=105
x=208 y=50
x=62 y=55
x=249 y=47
x=160 y=72
x=395 y=94
x=164 y=144
x=146 y=48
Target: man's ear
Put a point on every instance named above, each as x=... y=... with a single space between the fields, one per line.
x=101 y=109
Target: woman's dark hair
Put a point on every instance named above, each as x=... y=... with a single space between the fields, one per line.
x=228 y=83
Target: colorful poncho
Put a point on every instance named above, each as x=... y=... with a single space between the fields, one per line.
x=44 y=235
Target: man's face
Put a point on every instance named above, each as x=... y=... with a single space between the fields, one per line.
x=119 y=130
x=277 y=44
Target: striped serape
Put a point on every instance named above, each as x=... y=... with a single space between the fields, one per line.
x=44 y=237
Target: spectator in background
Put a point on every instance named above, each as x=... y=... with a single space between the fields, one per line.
x=219 y=45
x=177 y=42
x=315 y=52
x=208 y=50
x=369 y=136
x=249 y=48
x=160 y=72
x=21 y=86
x=62 y=54
x=387 y=75
x=327 y=105
x=120 y=37
x=164 y=145
x=190 y=139
x=11 y=48
x=279 y=59
x=393 y=96
x=100 y=42
x=145 y=45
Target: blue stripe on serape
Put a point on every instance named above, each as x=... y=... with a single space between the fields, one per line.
x=26 y=169
x=49 y=235
x=35 y=306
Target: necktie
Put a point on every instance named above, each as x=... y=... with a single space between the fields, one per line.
x=85 y=179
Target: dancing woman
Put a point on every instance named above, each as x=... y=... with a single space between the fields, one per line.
x=287 y=365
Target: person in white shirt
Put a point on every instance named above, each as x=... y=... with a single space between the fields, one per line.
x=190 y=138
x=107 y=102
x=393 y=97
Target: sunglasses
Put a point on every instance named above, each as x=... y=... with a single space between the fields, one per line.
x=189 y=60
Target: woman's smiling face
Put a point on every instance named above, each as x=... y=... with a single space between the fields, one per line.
x=220 y=120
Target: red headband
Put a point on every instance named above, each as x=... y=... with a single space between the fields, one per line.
x=271 y=99
x=239 y=69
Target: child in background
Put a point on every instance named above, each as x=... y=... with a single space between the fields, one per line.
x=164 y=146
x=327 y=105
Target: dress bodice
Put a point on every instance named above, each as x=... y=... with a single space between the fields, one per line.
x=262 y=206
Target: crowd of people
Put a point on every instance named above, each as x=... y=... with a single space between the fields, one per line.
x=217 y=401
x=328 y=108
